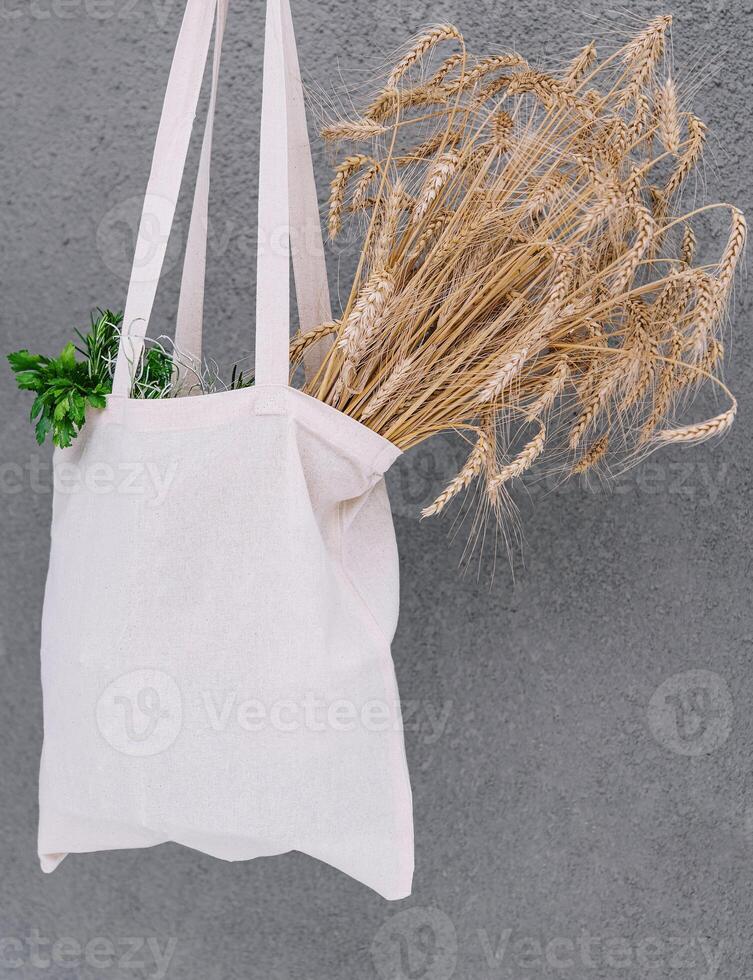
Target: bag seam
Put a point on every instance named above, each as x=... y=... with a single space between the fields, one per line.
x=373 y=621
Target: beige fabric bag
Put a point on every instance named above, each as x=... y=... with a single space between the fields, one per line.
x=223 y=580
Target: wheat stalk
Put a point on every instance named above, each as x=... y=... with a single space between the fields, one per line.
x=527 y=257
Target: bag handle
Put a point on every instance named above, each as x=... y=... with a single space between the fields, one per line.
x=307 y=246
x=190 y=319
x=307 y=243
x=285 y=177
x=272 y=255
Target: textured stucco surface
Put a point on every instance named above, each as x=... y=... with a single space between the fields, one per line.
x=573 y=819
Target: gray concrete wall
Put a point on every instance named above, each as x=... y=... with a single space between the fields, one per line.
x=579 y=735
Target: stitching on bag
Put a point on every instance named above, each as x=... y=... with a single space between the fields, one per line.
x=270 y=402
x=380 y=635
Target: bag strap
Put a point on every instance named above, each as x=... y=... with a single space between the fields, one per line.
x=307 y=246
x=288 y=209
x=307 y=243
x=190 y=318
x=272 y=256
x=287 y=196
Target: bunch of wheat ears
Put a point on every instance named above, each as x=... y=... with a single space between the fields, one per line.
x=527 y=275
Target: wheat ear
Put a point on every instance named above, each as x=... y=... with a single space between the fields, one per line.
x=645 y=229
x=729 y=261
x=478 y=458
x=552 y=391
x=422 y=44
x=668 y=119
x=484 y=68
x=687 y=248
x=440 y=172
x=502 y=377
x=641 y=56
x=594 y=454
x=390 y=219
x=733 y=249
x=691 y=434
x=580 y=64
x=691 y=155
x=345 y=170
x=522 y=462
x=302 y=341
x=389 y=389
x=357 y=130
x=447 y=66
x=364 y=317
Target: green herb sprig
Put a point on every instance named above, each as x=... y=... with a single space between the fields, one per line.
x=65 y=386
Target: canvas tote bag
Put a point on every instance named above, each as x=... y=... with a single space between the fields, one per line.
x=223 y=580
